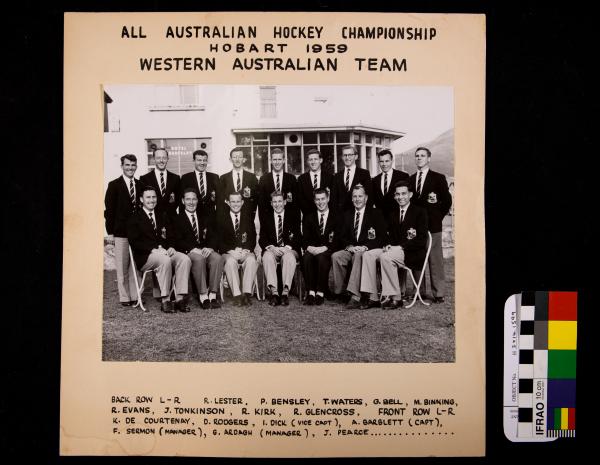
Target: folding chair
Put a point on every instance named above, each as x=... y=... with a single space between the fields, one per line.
x=412 y=276
x=255 y=288
x=298 y=279
x=139 y=285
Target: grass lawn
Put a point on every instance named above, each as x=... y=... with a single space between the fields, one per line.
x=260 y=333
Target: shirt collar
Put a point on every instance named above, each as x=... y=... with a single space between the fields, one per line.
x=128 y=180
x=148 y=211
x=362 y=210
x=405 y=207
x=424 y=170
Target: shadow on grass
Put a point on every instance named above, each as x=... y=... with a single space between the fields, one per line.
x=260 y=333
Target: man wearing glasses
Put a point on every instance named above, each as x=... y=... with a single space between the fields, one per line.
x=348 y=177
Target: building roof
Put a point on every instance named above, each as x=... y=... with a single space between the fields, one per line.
x=307 y=128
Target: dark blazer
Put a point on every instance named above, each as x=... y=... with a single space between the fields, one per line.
x=305 y=190
x=291 y=230
x=386 y=203
x=434 y=183
x=171 y=200
x=266 y=185
x=143 y=238
x=213 y=197
x=185 y=239
x=228 y=240
x=118 y=206
x=311 y=234
x=341 y=199
x=373 y=231
x=249 y=191
x=415 y=242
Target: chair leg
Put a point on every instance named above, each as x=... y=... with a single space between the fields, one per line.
x=417 y=291
x=139 y=288
x=222 y=285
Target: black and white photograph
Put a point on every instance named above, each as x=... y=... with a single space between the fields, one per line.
x=274 y=223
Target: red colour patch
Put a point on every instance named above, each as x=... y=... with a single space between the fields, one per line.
x=562 y=306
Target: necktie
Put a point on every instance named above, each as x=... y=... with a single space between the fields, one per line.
x=201 y=184
x=419 y=181
x=277 y=185
x=238 y=186
x=195 y=228
x=152 y=220
x=132 y=192
x=356 y=221
x=322 y=224
x=279 y=231
x=236 y=225
x=401 y=216
x=385 y=184
x=347 y=179
x=162 y=183
x=315 y=183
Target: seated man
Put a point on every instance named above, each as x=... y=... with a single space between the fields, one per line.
x=320 y=238
x=197 y=237
x=280 y=241
x=363 y=229
x=237 y=240
x=150 y=236
x=407 y=245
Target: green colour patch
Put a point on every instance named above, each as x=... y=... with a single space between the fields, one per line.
x=561 y=364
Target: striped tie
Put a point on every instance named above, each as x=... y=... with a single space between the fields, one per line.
x=195 y=228
x=419 y=182
x=347 y=179
x=238 y=186
x=132 y=192
x=162 y=184
x=236 y=225
x=201 y=184
x=150 y=214
x=322 y=224
x=279 y=231
x=401 y=216
x=356 y=221
x=277 y=185
x=385 y=184
x=315 y=183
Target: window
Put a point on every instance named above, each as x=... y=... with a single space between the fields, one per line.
x=268 y=102
x=177 y=98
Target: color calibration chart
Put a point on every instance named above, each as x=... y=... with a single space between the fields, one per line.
x=540 y=353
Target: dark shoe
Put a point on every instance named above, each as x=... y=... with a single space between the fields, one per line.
x=247 y=300
x=274 y=300
x=388 y=303
x=214 y=303
x=166 y=307
x=128 y=303
x=353 y=304
x=206 y=304
x=284 y=300
x=310 y=300
x=181 y=306
x=237 y=301
x=438 y=300
x=370 y=304
x=319 y=299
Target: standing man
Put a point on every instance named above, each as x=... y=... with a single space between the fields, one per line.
x=407 y=244
x=280 y=241
x=314 y=178
x=431 y=193
x=120 y=202
x=345 y=180
x=384 y=182
x=363 y=229
x=198 y=238
x=242 y=181
x=165 y=183
x=151 y=237
x=320 y=238
x=237 y=241
x=276 y=181
x=206 y=184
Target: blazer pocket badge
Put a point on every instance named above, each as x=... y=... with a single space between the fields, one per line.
x=172 y=197
x=289 y=197
x=213 y=196
x=204 y=234
x=163 y=232
x=331 y=237
x=432 y=197
x=244 y=238
x=371 y=234
x=247 y=192
x=411 y=234
x=291 y=236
